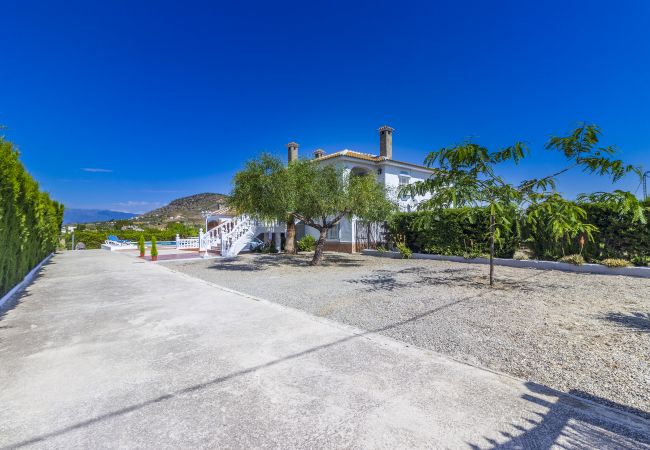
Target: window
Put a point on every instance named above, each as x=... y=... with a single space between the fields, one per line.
x=404 y=179
x=333 y=233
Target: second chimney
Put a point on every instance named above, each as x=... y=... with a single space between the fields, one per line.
x=292 y=151
x=386 y=142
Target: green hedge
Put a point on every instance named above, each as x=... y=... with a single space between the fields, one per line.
x=617 y=237
x=451 y=232
x=30 y=222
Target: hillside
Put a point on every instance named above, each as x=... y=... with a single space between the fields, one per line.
x=72 y=215
x=184 y=209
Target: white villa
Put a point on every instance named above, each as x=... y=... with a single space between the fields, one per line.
x=232 y=234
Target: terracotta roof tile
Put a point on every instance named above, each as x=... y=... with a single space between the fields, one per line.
x=366 y=157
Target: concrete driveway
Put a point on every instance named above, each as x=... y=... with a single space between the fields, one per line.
x=108 y=351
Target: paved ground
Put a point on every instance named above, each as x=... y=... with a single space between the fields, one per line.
x=107 y=351
x=580 y=333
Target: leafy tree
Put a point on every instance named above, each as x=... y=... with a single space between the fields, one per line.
x=465 y=175
x=316 y=194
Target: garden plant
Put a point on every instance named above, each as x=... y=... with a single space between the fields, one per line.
x=466 y=175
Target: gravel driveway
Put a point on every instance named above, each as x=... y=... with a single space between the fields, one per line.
x=579 y=333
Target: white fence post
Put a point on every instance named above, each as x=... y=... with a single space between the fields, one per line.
x=178 y=244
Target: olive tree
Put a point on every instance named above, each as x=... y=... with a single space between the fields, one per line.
x=466 y=175
x=318 y=195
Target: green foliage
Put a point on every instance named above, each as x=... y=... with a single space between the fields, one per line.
x=641 y=261
x=453 y=231
x=141 y=244
x=307 y=243
x=154 y=247
x=318 y=195
x=465 y=175
x=614 y=231
x=406 y=252
x=615 y=262
x=30 y=222
x=576 y=259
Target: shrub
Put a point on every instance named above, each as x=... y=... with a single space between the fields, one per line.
x=453 y=231
x=576 y=259
x=641 y=260
x=141 y=244
x=521 y=255
x=154 y=248
x=615 y=262
x=618 y=236
x=471 y=255
x=307 y=243
x=406 y=252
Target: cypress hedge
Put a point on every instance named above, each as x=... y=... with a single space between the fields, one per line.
x=30 y=222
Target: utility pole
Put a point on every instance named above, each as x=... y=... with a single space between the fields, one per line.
x=72 y=241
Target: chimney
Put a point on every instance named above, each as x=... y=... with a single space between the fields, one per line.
x=386 y=142
x=319 y=153
x=292 y=151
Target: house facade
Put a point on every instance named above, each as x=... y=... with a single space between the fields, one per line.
x=229 y=234
x=351 y=234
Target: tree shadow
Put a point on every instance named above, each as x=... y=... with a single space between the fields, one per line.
x=568 y=423
x=379 y=282
x=638 y=321
x=464 y=277
x=541 y=432
x=197 y=387
x=259 y=262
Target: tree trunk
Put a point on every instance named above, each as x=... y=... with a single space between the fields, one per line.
x=290 y=241
x=320 y=245
x=491 y=249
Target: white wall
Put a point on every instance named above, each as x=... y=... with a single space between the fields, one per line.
x=389 y=176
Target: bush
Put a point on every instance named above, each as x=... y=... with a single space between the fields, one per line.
x=141 y=244
x=406 y=252
x=617 y=236
x=615 y=262
x=641 y=260
x=576 y=259
x=30 y=222
x=154 y=247
x=307 y=243
x=471 y=255
x=453 y=231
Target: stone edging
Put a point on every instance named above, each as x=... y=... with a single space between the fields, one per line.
x=4 y=301
x=640 y=272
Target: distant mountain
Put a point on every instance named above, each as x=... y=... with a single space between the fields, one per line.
x=185 y=209
x=93 y=215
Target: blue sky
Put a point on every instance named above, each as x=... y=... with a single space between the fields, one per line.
x=126 y=105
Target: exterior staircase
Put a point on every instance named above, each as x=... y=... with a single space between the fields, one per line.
x=233 y=235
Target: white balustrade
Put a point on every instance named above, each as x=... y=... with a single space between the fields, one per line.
x=231 y=235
